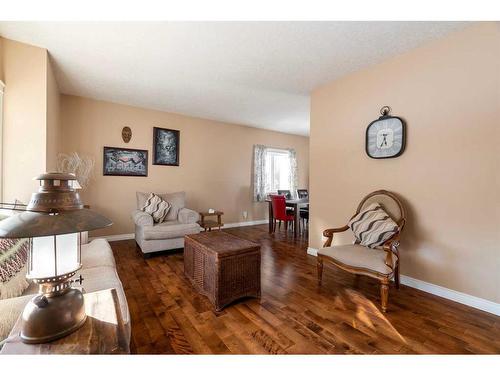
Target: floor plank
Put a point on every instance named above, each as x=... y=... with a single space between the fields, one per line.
x=293 y=315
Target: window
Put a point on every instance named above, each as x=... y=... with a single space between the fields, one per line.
x=278 y=170
x=274 y=169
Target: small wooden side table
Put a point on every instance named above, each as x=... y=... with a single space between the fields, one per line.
x=209 y=224
x=103 y=332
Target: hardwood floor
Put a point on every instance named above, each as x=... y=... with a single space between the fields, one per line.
x=294 y=315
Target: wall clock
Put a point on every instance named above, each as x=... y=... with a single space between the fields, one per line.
x=386 y=136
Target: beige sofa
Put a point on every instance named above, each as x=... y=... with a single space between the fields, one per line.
x=99 y=273
x=180 y=221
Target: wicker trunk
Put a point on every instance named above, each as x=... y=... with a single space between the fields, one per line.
x=222 y=267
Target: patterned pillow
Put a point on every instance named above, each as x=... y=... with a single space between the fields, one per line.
x=13 y=259
x=372 y=226
x=156 y=207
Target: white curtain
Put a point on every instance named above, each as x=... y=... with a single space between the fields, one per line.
x=261 y=182
x=294 y=178
x=259 y=173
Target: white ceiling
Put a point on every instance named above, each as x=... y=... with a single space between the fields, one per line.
x=252 y=73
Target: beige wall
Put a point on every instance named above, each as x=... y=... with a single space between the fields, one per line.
x=1 y=59
x=449 y=93
x=215 y=159
x=53 y=122
x=24 y=126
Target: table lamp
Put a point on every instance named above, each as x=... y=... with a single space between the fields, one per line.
x=53 y=222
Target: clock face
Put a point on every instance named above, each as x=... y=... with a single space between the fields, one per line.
x=385 y=138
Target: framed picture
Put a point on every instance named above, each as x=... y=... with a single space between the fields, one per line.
x=124 y=162
x=165 y=146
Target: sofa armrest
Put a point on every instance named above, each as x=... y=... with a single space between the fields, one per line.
x=187 y=216
x=141 y=218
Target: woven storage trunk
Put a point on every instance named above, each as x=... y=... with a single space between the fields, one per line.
x=222 y=267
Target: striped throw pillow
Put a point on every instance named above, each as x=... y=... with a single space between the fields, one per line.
x=372 y=226
x=156 y=207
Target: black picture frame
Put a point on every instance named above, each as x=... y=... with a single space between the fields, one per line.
x=403 y=139
x=107 y=162
x=159 y=153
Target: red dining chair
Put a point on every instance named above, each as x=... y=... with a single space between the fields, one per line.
x=279 y=211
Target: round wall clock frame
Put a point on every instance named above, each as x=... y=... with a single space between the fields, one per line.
x=386 y=136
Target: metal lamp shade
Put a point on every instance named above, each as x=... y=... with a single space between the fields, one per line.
x=37 y=224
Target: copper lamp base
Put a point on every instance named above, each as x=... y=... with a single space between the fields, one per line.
x=50 y=316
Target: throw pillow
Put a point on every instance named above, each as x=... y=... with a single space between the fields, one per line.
x=156 y=207
x=372 y=226
x=13 y=266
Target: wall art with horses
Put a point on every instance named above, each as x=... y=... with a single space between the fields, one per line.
x=125 y=162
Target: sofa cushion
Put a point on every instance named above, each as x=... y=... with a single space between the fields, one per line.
x=359 y=256
x=156 y=207
x=97 y=253
x=176 y=200
x=10 y=309
x=373 y=226
x=169 y=229
x=101 y=278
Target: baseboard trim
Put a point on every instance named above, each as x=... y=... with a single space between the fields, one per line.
x=465 y=299
x=453 y=295
x=245 y=223
x=131 y=236
x=312 y=251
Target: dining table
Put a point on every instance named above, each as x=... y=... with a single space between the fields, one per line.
x=296 y=204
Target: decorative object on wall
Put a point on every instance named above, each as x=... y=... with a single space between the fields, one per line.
x=126 y=134
x=80 y=165
x=386 y=136
x=166 y=146
x=125 y=162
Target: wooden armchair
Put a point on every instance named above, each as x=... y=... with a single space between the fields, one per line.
x=380 y=263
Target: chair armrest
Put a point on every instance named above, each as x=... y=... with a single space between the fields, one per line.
x=391 y=247
x=392 y=244
x=329 y=234
x=141 y=218
x=187 y=216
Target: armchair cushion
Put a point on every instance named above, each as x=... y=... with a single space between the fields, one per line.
x=373 y=226
x=169 y=229
x=176 y=200
x=359 y=256
x=141 y=218
x=187 y=216
x=156 y=207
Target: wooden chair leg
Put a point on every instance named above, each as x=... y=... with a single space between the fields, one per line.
x=384 y=293
x=320 y=270
x=396 y=275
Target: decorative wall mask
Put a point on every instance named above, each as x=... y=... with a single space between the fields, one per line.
x=386 y=136
x=126 y=134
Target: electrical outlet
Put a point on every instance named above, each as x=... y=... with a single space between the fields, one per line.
x=245 y=214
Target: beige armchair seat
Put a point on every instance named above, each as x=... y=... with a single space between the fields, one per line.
x=359 y=257
x=381 y=263
x=169 y=235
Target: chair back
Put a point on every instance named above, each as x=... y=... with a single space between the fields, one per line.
x=302 y=193
x=389 y=202
x=279 y=207
x=286 y=193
